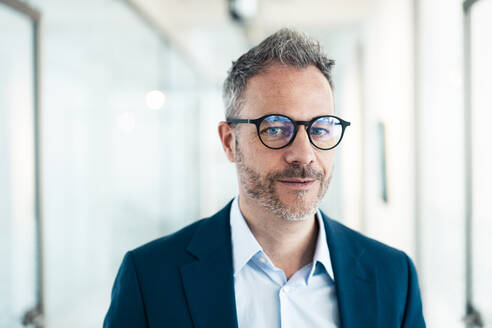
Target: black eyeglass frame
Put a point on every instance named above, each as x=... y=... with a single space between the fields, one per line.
x=307 y=124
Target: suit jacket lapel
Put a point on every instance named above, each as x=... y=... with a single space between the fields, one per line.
x=208 y=281
x=355 y=280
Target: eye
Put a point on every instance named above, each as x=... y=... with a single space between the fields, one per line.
x=273 y=131
x=319 y=132
x=276 y=131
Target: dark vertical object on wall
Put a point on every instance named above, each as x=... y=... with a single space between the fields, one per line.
x=382 y=161
x=236 y=17
x=472 y=317
x=35 y=316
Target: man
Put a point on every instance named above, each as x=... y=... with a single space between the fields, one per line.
x=270 y=258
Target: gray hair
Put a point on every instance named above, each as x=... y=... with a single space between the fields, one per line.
x=287 y=47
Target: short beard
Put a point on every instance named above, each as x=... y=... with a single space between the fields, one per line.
x=262 y=189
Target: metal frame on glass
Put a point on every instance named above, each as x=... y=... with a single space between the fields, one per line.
x=472 y=316
x=35 y=315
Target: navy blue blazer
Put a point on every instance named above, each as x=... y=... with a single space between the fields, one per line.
x=186 y=280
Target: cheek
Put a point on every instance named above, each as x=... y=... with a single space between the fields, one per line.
x=250 y=147
x=259 y=158
x=327 y=161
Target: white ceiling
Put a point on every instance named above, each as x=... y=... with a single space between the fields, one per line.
x=185 y=13
x=206 y=25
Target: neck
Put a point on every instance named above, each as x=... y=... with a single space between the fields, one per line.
x=290 y=245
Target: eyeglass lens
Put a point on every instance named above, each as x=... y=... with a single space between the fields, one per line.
x=277 y=131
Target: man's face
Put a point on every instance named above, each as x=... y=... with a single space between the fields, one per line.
x=290 y=182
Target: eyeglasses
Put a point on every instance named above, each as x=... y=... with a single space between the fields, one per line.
x=278 y=131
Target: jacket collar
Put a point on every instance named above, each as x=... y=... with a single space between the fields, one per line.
x=208 y=281
x=355 y=279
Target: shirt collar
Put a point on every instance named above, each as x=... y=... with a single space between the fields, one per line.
x=322 y=253
x=245 y=245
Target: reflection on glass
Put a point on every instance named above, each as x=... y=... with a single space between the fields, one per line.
x=155 y=99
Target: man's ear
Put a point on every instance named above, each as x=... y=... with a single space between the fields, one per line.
x=228 y=139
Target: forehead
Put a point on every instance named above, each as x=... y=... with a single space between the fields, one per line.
x=298 y=93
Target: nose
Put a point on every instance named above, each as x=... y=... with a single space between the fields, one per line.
x=300 y=151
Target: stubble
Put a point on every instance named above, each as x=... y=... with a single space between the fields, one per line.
x=262 y=188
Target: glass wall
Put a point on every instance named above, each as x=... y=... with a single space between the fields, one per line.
x=119 y=149
x=17 y=216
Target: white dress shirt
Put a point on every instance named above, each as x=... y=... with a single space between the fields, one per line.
x=266 y=299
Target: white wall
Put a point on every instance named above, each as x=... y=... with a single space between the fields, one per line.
x=440 y=86
x=388 y=97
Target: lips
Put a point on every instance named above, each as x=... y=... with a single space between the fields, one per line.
x=297 y=184
x=300 y=181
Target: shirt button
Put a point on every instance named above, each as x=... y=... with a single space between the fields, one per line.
x=263 y=260
x=286 y=289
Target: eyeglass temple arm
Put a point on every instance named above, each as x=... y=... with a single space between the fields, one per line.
x=239 y=120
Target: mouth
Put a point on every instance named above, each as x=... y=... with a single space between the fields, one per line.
x=297 y=183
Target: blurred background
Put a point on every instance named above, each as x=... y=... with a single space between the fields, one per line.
x=108 y=138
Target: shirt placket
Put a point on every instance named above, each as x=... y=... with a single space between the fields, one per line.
x=284 y=305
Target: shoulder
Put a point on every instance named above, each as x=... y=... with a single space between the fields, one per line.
x=364 y=247
x=390 y=265
x=389 y=268
x=179 y=247
x=171 y=247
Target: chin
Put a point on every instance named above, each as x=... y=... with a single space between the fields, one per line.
x=298 y=214
x=299 y=198
x=298 y=207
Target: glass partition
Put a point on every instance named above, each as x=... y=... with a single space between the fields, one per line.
x=119 y=149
